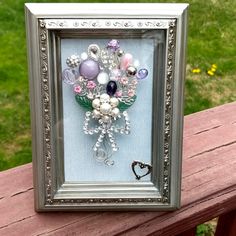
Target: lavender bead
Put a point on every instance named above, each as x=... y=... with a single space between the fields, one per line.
x=89 y=69
x=113 y=45
x=69 y=75
x=142 y=74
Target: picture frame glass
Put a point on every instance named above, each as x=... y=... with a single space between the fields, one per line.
x=81 y=164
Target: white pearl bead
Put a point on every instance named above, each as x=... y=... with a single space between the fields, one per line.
x=115 y=112
x=96 y=103
x=104 y=97
x=136 y=63
x=105 y=108
x=84 y=56
x=106 y=119
x=102 y=78
x=114 y=102
x=96 y=113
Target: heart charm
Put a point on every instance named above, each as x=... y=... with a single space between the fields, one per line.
x=142 y=166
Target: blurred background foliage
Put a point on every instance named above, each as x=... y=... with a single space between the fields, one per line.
x=211 y=40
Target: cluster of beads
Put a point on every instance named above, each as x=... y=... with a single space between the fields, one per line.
x=105 y=108
x=109 y=70
x=107 y=78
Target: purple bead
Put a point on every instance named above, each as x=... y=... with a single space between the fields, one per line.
x=142 y=74
x=111 y=88
x=89 y=69
x=113 y=45
x=69 y=75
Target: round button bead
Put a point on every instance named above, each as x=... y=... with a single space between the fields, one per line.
x=115 y=112
x=105 y=108
x=142 y=74
x=111 y=88
x=84 y=56
x=131 y=71
x=103 y=78
x=104 y=98
x=106 y=119
x=96 y=114
x=89 y=69
x=96 y=103
x=114 y=102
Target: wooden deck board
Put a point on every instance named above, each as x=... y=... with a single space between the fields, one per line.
x=208 y=189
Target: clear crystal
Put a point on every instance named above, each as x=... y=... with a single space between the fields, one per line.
x=69 y=75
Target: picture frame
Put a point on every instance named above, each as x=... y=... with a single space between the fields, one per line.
x=147 y=170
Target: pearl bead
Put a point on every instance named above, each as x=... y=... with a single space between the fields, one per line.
x=114 y=102
x=105 y=108
x=84 y=56
x=136 y=63
x=104 y=97
x=115 y=112
x=102 y=78
x=106 y=119
x=96 y=103
x=96 y=114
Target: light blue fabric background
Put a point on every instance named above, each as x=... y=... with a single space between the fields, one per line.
x=80 y=164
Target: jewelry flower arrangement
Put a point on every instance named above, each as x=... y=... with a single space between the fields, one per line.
x=104 y=81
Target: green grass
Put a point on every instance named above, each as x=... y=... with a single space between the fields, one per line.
x=211 y=37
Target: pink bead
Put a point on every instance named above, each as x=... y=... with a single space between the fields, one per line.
x=126 y=61
x=124 y=80
x=91 y=85
x=131 y=93
x=119 y=93
x=77 y=89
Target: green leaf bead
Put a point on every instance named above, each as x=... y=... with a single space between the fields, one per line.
x=124 y=105
x=84 y=102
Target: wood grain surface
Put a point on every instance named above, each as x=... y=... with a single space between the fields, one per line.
x=208 y=189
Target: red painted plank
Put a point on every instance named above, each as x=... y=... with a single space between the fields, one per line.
x=208 y=189
x=187 y=217
x=209 y=119
x=227 y=224
x=191 y=232
x=20 y=179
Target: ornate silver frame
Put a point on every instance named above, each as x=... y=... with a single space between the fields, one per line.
x=43 y=22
